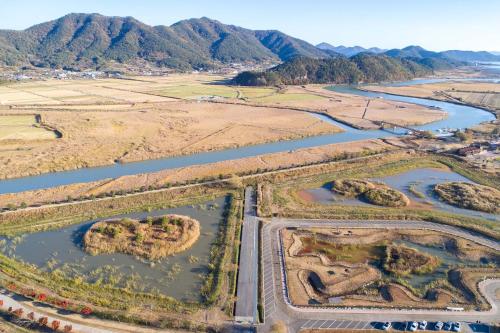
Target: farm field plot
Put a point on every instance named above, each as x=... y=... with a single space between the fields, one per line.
x=355 y=110
x=93 y=138
x=138 y=118
x=23 y=127
x=385 y=268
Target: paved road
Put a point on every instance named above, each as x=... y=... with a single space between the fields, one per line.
x=278 y=307
x=246 y=303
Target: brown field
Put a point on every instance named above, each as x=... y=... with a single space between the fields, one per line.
x=250 y=164
x=349 y=264
x=94 y=138
x=23 y=127
x=481 y=94
x=108 y=120
x=351 y=109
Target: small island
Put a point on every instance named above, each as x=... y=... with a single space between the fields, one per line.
x=152 y=238
x=376 y=194
x=470 y=196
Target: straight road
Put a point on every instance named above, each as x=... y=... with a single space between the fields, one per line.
x=278 y=307
x=246 y=303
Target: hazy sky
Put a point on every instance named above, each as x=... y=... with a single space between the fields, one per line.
x=435 y=25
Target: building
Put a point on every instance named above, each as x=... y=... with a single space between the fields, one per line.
x=468 y=151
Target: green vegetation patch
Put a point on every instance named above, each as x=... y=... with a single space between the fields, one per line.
x=351 y=187
x=379 y=195
x=386 y=196
x=401 y=260
x=351 y=253
x=470 y=196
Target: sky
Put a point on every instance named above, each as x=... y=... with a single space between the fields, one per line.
x=433 y=24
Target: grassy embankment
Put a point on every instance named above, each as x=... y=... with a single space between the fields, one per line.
x=123 y=304
x=283 y=200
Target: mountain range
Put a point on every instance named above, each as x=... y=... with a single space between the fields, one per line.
x=82 y=40
x=348 y=51
x=78 y=41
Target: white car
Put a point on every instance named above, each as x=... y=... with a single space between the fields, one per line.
x=422 y=325
x=412 y=326
x=386 y=326
x=456 y=327
x=438 y=326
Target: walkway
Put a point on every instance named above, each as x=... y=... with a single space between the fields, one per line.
x=246 y=303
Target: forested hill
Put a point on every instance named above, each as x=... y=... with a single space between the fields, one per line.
x=359 y=68
x=91 y=40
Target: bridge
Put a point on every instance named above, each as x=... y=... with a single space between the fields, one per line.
x=385 y=124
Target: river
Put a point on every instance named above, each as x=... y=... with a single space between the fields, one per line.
x=459 y=116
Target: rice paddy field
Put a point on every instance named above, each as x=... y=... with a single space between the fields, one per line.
x=23 y=127
x=111 y=120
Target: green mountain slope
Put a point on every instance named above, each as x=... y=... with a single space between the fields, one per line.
x=362 y=67
x=86 y=40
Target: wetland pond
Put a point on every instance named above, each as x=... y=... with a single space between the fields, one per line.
x=419 y=181
x=180 y=276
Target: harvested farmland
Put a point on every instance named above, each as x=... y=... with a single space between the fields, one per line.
x=470 y=196
x=152 y=238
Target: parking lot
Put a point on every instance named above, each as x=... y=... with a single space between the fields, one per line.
x=337 y=324
x=277 y=306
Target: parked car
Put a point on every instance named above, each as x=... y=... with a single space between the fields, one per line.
x=386 y=326
x=422 y=325
x=456 y=327
x=438 y=326
x=412 y=326
x=447 y=326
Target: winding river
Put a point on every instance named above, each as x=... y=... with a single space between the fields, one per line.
x=459 y=116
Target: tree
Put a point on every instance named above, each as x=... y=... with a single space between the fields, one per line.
x=55 y=325
x=279 y=327
x=463 y=135
x=18 y=312
x=86 y=311
x=235 y=181
x=139 y=238
x=43 y=321
x=68 y=328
